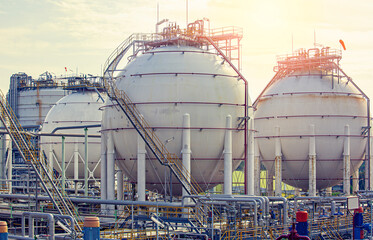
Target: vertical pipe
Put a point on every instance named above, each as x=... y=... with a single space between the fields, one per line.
x=10 y=166
x=346 y=161
x=312 y=162
x=186 y=152
x=269 y=183
x=370 y=159
x=228 y=156
x=85 y=161
x=141 y=168
x=30 y=226
x=110 y=170
x=120 y=190
x=256 y=169
x=103 y=184
x=250 y=166
x=278 y=163
x=2 y=161
x=355 y=181
x=50 y=160
x=63 y=168
x=76 y=167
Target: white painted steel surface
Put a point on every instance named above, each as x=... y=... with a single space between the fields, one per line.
x=295 y=102
x=76 y=109
x=185 y=82
x=33 y=106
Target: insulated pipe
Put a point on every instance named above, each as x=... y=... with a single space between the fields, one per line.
x=278 y=163
x=269 y=183
x=110 y=174
x=256 y=169
x=141 y=167
x=228 y=156
x=76 y=166
x=355 y=181
x=186 y=153
x=346 y=161
x=85 y=161
x=312 y=162
x=103 y=184
x=370 y=175
x=10 y=166
x=63 y=165
x=120 y=190
x=50 y=160
x=250 y=167
x=327 y=199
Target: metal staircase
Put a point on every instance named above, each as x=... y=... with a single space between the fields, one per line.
x=22 y=140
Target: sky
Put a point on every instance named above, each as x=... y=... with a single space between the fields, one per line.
x=49 y=35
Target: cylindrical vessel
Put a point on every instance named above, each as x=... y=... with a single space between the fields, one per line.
x=320 y=97
x=35 y=103
x=164 y=84
x=71 y=115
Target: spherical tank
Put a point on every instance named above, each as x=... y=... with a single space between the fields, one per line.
x=165 y=83
x=34 y=104
x=295 y=104
x=79 y=109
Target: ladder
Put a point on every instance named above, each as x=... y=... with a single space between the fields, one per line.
x=22 y=140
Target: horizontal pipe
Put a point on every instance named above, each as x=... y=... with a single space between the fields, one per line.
x=306 y=136
x=318 y=160
x=311 y=116
x=94 y=201
x=175 y=103
x=76 y=127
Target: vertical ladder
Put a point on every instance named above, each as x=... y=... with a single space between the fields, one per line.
x=30 y=154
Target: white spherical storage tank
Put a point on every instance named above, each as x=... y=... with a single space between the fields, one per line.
x=69 y=116
x=166 y=83
x=313 y=99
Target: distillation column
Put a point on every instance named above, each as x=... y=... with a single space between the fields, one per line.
x=228 y=156
x=312 y=162
x=346 y=161
x=186 y=152
x=278 y=163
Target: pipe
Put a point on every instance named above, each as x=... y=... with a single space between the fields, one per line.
x=250 y=170
x=141 y=167
x=94 y=201
x=186 y=153
x=285 y=207
x=75 y=127
x=85 y=161
x=346 y=161
x=103 y=169
x=110 y=170
x=278 y=163
x=33 y=215
x=76 y=167
x=63 y=167
x=256 y=169
x=312 y=162
x=228 y=157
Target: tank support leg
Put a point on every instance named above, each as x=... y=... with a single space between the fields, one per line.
x=370 y=165
x=186 y=152
x=312 y=162
x=228 y=156
x=120 y=190
x=141 y=168
x=346 y=161
x=278 y=163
